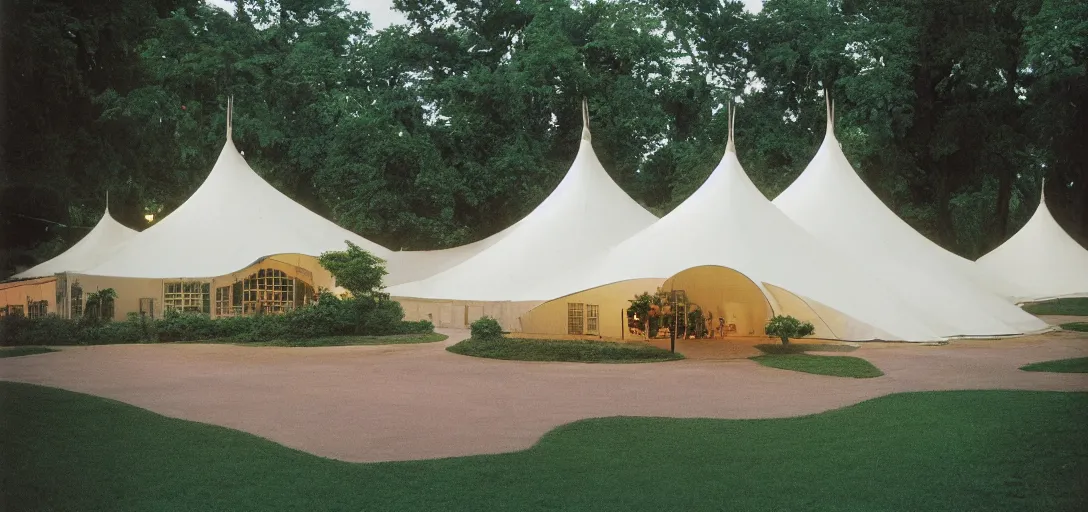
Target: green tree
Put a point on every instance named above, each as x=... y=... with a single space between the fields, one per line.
x=356 y=270
x=786 y=327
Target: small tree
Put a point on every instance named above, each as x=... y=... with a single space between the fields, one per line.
x=786 y=327
x=486 y=328
x=641 y=306
x=356 y=270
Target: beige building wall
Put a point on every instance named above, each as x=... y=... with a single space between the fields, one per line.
x=131 y=290
x=612 y=301
x=460 y=314
x=22 y=293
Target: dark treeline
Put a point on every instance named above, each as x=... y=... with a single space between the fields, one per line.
x=449 y=128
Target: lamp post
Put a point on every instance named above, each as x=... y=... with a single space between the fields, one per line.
x=672 y=332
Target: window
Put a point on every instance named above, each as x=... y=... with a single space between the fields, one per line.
x=575 y=318
x=149 y=307
x=15 y=310
x=37 y=309
x=591 y=319
x=77 y=300
x=222 y=301
x=191 y=296
x=268 y=291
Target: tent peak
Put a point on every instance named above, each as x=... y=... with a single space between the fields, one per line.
x=732 y=113
x=230 y=115
x=585 y=119
x=830 y=104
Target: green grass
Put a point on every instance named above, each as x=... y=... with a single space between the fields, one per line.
x=836 y=366
x=961 y=451
x=562 y=350
x=337 y=341
x=1076 y=326
x=23 y=351
x=800 y=348
x=1073 y=307
x=1074 y=365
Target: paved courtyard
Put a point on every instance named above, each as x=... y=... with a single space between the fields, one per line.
x=403 y=402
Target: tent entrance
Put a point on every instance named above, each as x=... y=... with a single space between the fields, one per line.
x=717 y=303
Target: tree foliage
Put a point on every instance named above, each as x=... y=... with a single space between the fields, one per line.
x=456 y=124
x=356 y=271
x=786 y=327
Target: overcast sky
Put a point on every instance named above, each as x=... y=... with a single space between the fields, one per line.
x=382 y=14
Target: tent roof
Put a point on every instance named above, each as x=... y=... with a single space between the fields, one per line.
x=830 y=201
x=536 y=259
x=1041 y=261
x=91 y=250
x=728 y=222
x=231 y=221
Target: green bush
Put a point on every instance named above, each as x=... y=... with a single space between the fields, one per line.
x=330 y=316
x=786 y=327
x=486 y=328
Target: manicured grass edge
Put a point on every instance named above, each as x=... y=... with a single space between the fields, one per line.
x=562 y=351
x=24 y=351
x=1071 y=365
x=832 y=366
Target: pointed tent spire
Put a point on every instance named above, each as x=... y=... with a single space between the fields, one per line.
x=585 y=120
x=732 y=113
x=830 y=111
x=107 y=201
x=230 y=116
x=1042 y=193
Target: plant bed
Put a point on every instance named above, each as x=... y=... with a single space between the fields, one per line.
x=337 y=341
x=1074 y=365
x=1069 y=307
x=23 y=351
x=835 y=366
x=517 y=349
x=801 y=348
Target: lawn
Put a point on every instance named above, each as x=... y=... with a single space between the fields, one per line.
x=23 y=351
x=1074 y=365
x=962 y=451
x=800 y=348
x=1076 y=326
x=337 y=341
x=1073 y=307
x=562 y=350
x=835 y=366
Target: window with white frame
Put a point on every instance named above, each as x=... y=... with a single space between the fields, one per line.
x=37 y=309
x=592 y=319
x=575 y=318
x=77 y=300
x=268 y=290
x=186 y=296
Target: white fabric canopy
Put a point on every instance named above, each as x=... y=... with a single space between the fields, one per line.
x=231 y=221
x=538 y=258
x=1041 y=261
x=91 y=250
x=830 y=201
x=728 y=222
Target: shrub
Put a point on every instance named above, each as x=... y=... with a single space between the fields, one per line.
x=355 y=270
x=486 y=328
x=786 y=327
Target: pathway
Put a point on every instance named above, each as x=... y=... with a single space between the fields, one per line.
x=401 y=402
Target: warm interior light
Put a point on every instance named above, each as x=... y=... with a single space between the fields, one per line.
x=149 y=217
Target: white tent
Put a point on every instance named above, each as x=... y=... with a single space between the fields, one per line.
x=538 y=258
x=830 y=201
x=231 y=221
x=728 y=222
x=1041 y=261
x=91 y=250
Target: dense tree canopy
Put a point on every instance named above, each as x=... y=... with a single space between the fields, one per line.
x=449 y=128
